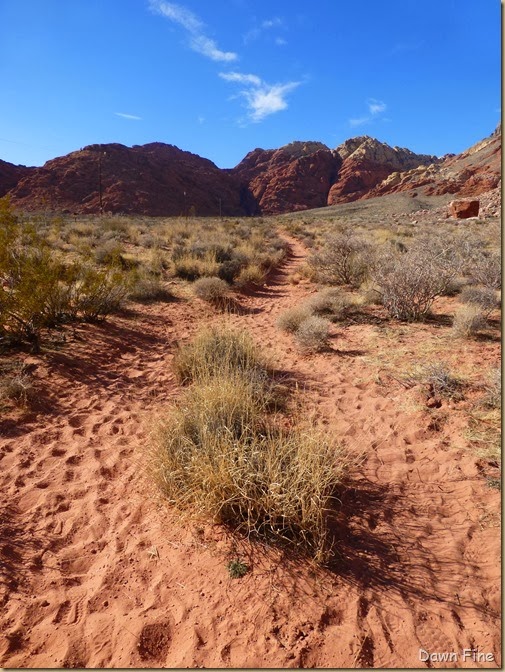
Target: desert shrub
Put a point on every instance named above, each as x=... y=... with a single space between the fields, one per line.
x=483 y=297
x=191 y=267
x=230 y=270
x=109 y=253
x=330 y=303
x=485 y=269
x=343 y=260
x=99 y=293
x=217 y=456
x=217 y=350
x=148 y=288
x=16 y=385
x=291 y=319
x=492 y=387
x=441 y=381
x=409 y=283
x=212 y=290
x=312 y=334
x=468 y=321
x=252 y=274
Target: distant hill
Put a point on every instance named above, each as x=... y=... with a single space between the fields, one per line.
x=160 y=179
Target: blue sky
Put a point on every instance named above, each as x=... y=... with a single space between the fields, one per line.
x=222 y=77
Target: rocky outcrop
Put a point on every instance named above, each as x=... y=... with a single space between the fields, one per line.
x=474 y=172
x=295 y=177
x=159 y=179
x=366 y=162
x=11 y=174
x=153 y=179
x=464 y=208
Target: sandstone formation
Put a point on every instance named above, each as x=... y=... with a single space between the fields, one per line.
x=159 y=179
x=10 y=175
x=464 y=208
x=295 y=177
x=153 y=179
x=474 y=172
x=366 y=163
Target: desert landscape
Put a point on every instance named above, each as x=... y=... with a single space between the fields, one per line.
x=254 y=423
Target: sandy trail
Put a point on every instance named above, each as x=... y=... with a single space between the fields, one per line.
x=94 y=574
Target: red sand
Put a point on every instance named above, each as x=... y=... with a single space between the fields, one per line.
x=94 y=574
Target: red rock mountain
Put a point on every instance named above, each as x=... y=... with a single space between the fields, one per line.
x=153 y=179
x=471 y=173
x=10 y=175
x=159 y=179
x=366 y=163
x=297 y=176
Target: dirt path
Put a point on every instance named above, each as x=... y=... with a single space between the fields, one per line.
x=94 y=574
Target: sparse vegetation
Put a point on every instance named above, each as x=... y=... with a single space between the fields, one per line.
x=213 y=290
x=343 y=260
x=312 y=334
x=221 y=455
x=16 y=385
x=468 y=321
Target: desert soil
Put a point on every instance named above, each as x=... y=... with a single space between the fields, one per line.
x=94 y=573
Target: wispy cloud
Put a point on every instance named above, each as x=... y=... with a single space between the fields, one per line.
x=280 y=41
x=262 y=99
x=199 y=41
x=376 y=106
x=359 y=121
x=131 y=117
x=266 y=25
x=375 y=109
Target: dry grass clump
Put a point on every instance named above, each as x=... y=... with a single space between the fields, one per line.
x=492 y=398
x=221 y=455
x=441 y=381
x=212 y=290
x=312 y=334
x=16 y=385
x=291 y=319
x=468 y=321
x=148 y=288
x=331 y=303
x=482 y=297
x=215 y=351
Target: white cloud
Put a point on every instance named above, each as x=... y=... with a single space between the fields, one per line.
x=265 y=25
x=262 y=99
x=359 y=121
x=280 y=41
x=199 y=41
x=131 y=117
x=207 y=47
x=241 y=78
x=376 y=106
x=271 y=23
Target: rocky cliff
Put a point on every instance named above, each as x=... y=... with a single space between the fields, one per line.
x=11 y=174
x=159 y=179
x=471 y=173
x=295 y=177
x=153 y=179
x=366 y=162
